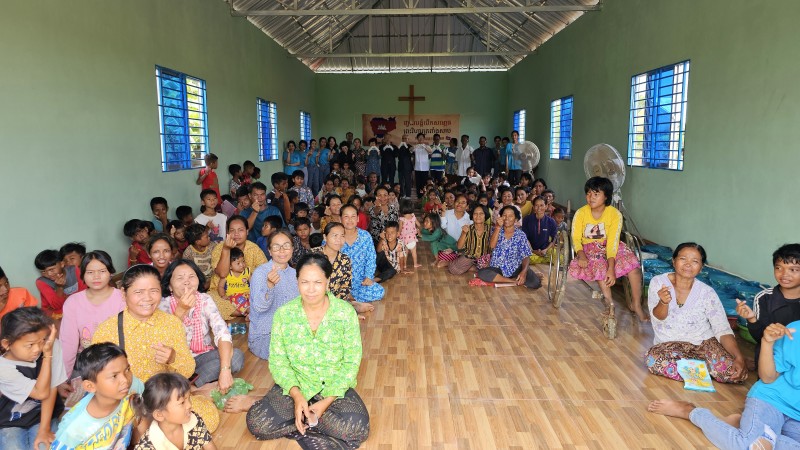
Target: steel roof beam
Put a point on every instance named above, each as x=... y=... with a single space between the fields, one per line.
x=417 y=11
x=406 y=54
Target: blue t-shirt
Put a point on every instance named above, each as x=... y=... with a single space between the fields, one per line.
x=324 y=155
x=78 y=427
x=513 y=161
x=783 y=393
x=255 y=232
x=451 y=154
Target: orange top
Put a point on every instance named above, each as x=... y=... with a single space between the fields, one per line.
x=18 y=297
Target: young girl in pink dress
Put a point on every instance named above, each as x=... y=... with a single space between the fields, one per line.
x=409 y=228
x=599 y=254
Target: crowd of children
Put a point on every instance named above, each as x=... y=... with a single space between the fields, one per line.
x=474 y=217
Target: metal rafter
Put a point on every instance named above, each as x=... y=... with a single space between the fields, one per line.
x=416 y=11
x=406 y=54
x=326 y=33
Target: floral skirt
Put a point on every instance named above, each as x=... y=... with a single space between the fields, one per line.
x=625 y=262
x=662 y=359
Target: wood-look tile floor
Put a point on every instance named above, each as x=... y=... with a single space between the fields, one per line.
x=449 y=366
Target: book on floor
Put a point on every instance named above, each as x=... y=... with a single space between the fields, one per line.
x=695 y=375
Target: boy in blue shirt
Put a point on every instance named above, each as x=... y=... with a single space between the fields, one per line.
x=104 y=418
x=771 y=416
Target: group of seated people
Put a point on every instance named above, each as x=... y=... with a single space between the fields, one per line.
x=148 y=344
x=142 y=356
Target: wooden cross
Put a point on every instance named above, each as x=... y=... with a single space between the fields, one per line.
x=411 y=99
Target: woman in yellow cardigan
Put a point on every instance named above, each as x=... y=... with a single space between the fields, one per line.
x=154 y=340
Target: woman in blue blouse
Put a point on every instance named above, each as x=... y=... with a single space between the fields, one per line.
x=323 y=161
x=272 y=285
x=359 y=247
x=291 y=158
x=511 y=253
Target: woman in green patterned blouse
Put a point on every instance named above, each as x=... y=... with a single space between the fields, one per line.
x=315 y=354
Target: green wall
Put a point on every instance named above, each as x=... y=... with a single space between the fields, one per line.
x=79 y=130
x=479 y=97
x=79 y=124
x=734 y=195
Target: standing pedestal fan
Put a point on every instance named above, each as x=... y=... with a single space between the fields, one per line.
x=603 y=160
x=528 y=154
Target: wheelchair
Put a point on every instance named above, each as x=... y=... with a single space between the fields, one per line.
x=559 y=267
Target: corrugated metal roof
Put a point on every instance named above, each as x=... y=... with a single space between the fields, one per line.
x=503 y=39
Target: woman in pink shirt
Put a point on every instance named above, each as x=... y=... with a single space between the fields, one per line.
x=85 y=310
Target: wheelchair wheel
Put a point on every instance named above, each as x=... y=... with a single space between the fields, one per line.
x=634 y=243
x=559 y=265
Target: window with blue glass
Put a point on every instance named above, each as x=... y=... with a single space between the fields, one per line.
x=305 y=126
x=267 y=130
x=561 y=128
x=658 y=117
x=519 y=123
x=183 y=118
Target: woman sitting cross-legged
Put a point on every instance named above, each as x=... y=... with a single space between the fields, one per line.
x=215 y=359
x=315 y=354
x=511 y=253
x=272 y=285
x=771 y=416
x=689 y=322
x=473 y=244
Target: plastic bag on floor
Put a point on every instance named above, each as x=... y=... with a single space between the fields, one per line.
x=240 y=387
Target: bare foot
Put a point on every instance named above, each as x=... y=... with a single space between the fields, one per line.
x=733 y=420
x=362 y=317
x=362 y=307
x=204 y=389
x=240 y=403
x=672 y=408
x=407 y=272
x=416 y=266
x=643 y=317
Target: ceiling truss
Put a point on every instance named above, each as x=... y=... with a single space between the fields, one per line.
x=411 y=35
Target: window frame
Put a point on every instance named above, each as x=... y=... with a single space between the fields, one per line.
x=179 y=112
x=520 y=116
x=267 y=122
x=558 y=127
x=305 y=126
x=651 y=92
